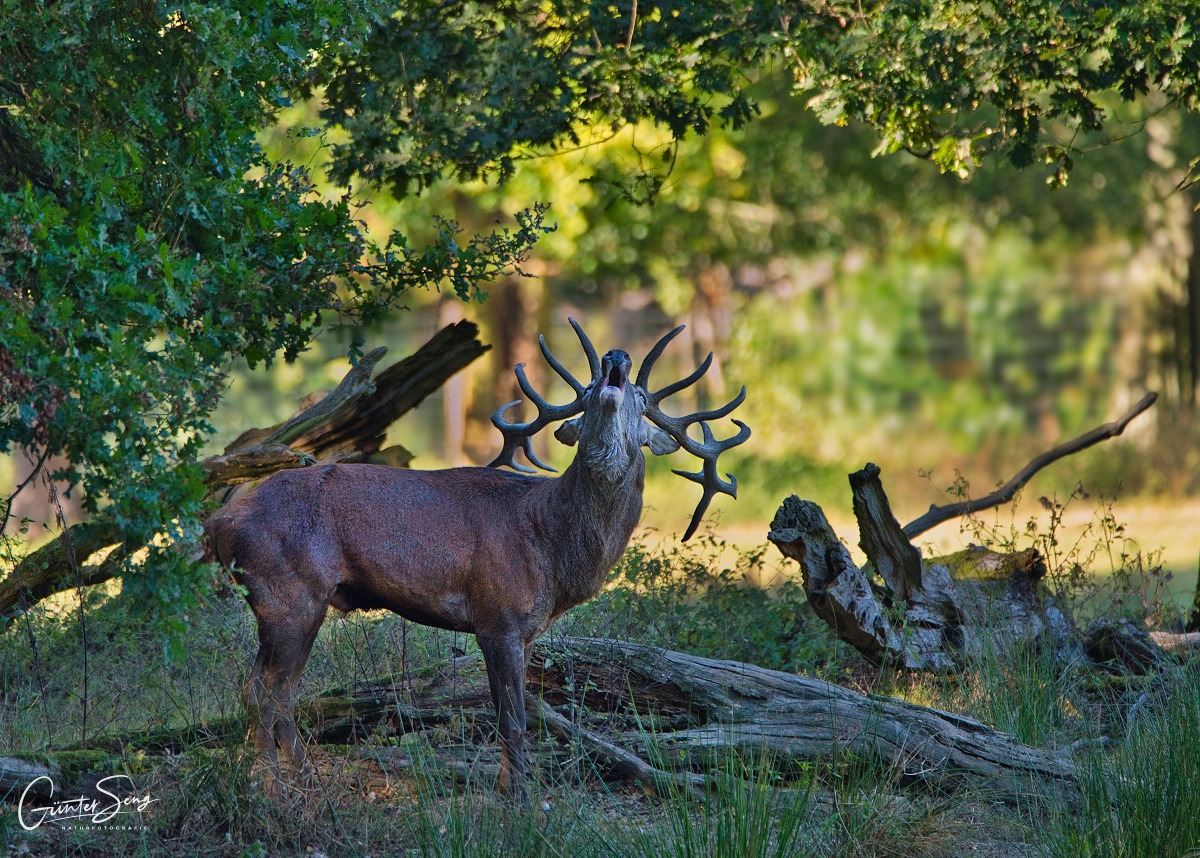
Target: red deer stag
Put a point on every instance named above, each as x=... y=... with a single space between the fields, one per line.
x=477 y=550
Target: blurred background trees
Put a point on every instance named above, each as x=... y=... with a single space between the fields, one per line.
x=848 y=203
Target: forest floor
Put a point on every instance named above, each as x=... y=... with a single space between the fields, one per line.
x=431 y=792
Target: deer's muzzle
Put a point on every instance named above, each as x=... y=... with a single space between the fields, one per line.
x=614 y=370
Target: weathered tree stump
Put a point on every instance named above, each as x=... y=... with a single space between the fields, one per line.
x=937 y=613
x=953 y=606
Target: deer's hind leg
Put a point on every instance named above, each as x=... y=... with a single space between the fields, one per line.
x=285 y=641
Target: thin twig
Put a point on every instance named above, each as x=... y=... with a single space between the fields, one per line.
x=37 y=469
x=938 y=514
x=623 y=762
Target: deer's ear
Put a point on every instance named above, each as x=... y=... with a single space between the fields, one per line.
x=659 y=442
x=568 y=432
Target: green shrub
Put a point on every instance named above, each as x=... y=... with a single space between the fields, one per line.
x=689 y=597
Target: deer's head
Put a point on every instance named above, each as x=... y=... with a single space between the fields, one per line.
x=608 y=420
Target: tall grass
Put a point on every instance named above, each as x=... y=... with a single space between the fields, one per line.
x=1141 y=800
x=704 y=598
x=754 y=817
x=1021 y=689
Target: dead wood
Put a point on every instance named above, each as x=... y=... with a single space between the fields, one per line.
x=621 y=763
x=937 y=514
x=1184 y=643
x=1119 y=646
x=252 y=463
x=789 y=719
x=956 y=606
x=936 y=613
x=348 y=424
x=668 y=720
x=16 y=775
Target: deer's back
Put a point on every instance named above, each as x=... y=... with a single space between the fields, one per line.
x=436 y=546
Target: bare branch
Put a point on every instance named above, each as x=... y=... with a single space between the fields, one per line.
x=938 y=514
x=624 y=763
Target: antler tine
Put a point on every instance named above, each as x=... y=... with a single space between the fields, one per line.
x=557 y=366
x=517 y=436
x=707 y=450
x=681 y=424
x=707 y=476
x=515 y=439
x=643 y=376
x=659 y=395
x=677 y=427
x=588 y=349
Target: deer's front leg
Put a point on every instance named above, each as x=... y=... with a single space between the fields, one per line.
x=505 y=659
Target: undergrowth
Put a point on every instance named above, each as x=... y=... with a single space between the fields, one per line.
x=703 y=597
x=1092 y=570
x=59 y=687
x=1139 y=799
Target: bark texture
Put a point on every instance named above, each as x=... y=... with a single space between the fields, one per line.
x=667 y=719
x=929 y=614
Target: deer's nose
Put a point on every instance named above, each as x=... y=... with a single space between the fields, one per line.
x=615 y=367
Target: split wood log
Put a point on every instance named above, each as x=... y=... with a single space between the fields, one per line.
x=346 y=425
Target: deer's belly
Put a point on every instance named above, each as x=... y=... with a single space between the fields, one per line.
x=450 y=612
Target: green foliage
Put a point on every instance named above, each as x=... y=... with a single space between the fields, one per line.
x=1022 y=690
x=147 y=241
x=1034 y=80
x=464 y=827
x=1097 y=569
x=465 y=88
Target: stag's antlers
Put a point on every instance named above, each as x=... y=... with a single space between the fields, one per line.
x=517 y=436
x=677 y=427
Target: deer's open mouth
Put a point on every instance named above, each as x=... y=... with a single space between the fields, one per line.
x=614 y=374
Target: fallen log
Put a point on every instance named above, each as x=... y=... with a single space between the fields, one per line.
x=348 y=424
x=668 y=720
x=17 y=775
x=791 y=719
